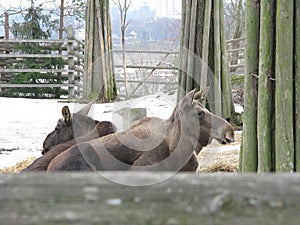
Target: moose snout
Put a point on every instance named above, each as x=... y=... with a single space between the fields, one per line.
x=229 y=134
x=45 y=150
x=224 y=130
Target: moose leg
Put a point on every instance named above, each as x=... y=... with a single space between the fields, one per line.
x=191 y=165
x=149 y=158
x=86 y=157
x=69 y=160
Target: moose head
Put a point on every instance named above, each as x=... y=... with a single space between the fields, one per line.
x=69 y=127
x=198 y=123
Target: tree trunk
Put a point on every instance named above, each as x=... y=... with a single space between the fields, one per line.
x=265 y=96
x=202 y=56
x=99 y=80
x=180 y=93
x=217 y=59
x=249 y=151
x=184 y=50
x=191 y=51
x=227 y=105
x=284 y=135
x=297 y=86
x=205 y=48
x=60 y=37
x=278 y=93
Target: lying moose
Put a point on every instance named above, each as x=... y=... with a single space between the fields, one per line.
x=72 y=129
x=152 y=143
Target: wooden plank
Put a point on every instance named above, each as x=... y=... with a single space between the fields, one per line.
x=148 y=75
x=35 y=41
x=149 y=67
x=236 y=66
x=35 y=85
x=81 y=42
x=236 y=50
x=78 y=55
x=91 y=198
x=148 y=82
x=32 y=56
x=78 y=69
x=35 y=70
x=235 y=39
x=147 y=51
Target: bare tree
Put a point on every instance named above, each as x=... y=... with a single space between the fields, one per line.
x=123 y=9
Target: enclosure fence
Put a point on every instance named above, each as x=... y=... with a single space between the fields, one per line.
x=147 y=71
x=70 y=51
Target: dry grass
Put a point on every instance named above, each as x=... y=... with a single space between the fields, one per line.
x=220 y=158
x=18 y=167
x=218 y=161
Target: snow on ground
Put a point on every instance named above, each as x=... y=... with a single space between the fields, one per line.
x=24 y=123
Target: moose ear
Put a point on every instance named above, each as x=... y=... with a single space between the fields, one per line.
x=202 y=95
x=66 y=114
x=187 y=99
x=85 y=110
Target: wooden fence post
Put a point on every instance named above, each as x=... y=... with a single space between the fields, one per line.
x=70 y=62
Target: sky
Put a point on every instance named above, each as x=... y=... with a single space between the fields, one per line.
x=20 y=3
x=162 y=7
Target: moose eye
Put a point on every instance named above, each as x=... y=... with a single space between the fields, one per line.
x=200 y=114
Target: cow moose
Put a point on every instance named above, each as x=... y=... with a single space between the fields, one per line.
x=152 y=143
x=72 y=129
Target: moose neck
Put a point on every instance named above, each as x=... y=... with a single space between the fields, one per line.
x=177 y=139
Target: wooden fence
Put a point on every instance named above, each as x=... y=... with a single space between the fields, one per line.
x=147 y=71
x=166 y=63
x=91 y=198
x=235 y=49
x=71 y=53
x=147 y=76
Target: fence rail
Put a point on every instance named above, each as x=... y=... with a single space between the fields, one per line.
x=184 y=198
x=70 y=50
x=235 y=49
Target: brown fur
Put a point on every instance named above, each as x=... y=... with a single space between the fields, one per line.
x=41 y=164
x=151 y=144
x=71 y=126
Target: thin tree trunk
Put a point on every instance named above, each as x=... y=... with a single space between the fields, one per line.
x=88 y=50
x=266 y=65
x=217 y=59
x=227 y=106
x=205 y=49
x=112 y=88
x=191 y=52
x=185 y=49
x=284 y=112
x=249 y=156
x=297 y=86
x=180 y=93
x=199 y=39
x=124 y=60
x=60 y=37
